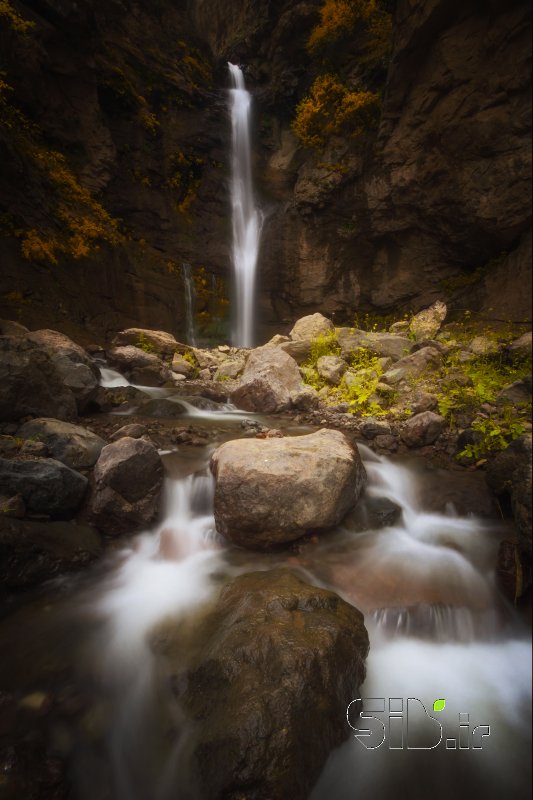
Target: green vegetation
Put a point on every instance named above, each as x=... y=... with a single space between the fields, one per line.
x=492 y=435
x=144 y=344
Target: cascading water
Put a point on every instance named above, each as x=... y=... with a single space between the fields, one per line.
x=246 y=217
x=190 y=298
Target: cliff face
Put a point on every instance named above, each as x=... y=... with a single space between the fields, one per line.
x=436 y=204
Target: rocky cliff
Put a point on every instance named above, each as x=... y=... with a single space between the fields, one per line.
x=435 y=202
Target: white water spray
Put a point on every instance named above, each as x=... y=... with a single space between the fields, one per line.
x=246 y=217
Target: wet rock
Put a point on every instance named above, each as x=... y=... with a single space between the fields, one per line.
x=128 y=479
x=109 y=398
x=166 y=409
x=331 y=368
x=413 y=366
x=521 y=347
x=31 y=383
x=73 y=445
x=385 y=345
x=422 y=429
x=372 y=427
x=134 y=431
x=32 y=552
x=311 y=326
x=427 y=323
x=75 y=367
x=13 y=507
x=183 y=367
x=35 y=449
x=274 y=491
x=47 y=486
x=269 y=378
x=373 y=513
x=145 y=369
x=160 y=343
x=277 y=664
x=514 y=575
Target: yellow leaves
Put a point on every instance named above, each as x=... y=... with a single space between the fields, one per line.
x=35 y=248
x=15 y=21
x=332 y=108
x=363 y=20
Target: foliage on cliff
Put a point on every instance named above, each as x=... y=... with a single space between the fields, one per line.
x=362 y=23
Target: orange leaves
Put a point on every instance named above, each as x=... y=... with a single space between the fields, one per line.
x=361 y=21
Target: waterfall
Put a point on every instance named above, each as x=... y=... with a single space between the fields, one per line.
x=190 y=299
x=246 y=217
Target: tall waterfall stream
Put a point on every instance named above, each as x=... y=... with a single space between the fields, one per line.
x=438 y=629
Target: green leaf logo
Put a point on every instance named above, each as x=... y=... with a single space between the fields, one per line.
x=439 y=705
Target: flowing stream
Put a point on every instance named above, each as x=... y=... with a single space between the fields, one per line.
x=438 y=629
x=246 y=217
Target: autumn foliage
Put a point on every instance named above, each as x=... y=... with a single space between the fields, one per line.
x=363 y=22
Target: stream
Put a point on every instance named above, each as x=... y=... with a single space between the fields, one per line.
x=77 y=660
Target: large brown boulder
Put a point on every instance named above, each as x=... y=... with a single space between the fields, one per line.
x=30 y=382
x=71 y=444
x=385 y=345
x=270 y=491
x=128 y=479
x=413 y=365
x=275 y=665
x=427 y=323
x=311 y=327
x=47 y=486
x=268 y=379
x=138 y=366
x=160 y=343
x=423 y=429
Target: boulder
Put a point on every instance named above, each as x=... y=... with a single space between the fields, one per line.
x=31 y=383
x=521 y=347
x=268 y=379
x=230 y=369
x=128 y=479
x=385 y=345
x=140 y=367
x=272 y=491
x=305 y=399
x=274 y=666
x=483 y=346
x=183 y=367
x=372 y=427
x=311 y=327
x=427 y=323
x=10 y=328
x=300 y=349
x=12 y=507
x=73 y=445
x=76 y=368
x=47 y=486
x=517 y=393
x=32 y=552
x=331 y=368
x=413 y=366
x=422 y=429
x=509 y=474
x=135 y=431
x=400 y=328
x=111 y=398
x=159 y=343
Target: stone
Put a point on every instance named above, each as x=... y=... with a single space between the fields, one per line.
x=521 y=347
x=8 y=445
x=31 y=383
x=274 y=491
x=9 y=327
x=427 y=323
x=278 y=339
x=311 y=327
x=268 y=379
x=388 y=443
x=33 y=552
x=422 y=429
x=47 y=486
x=134 y=431
x=400 y=328
x=205 y=374
x=178 y=378
x=299 y=349
x=413 y=366
x=166 y=409
x=517 y=393
x=230 y=369
x=160 y=343
x=372 y=427
x=207 y=358
x=110 y=398
x=384 y=345
x=272 y=669
x=13 y=507
x=509 y=474
x=71 y=444
x=423 y=401
x=76 y=368
x=373 y=513
x=183 y=367
x=331 y=368
x=36 y=449
x=305 y=399
x=128 y=481
x=483 y=346
x=139 y=367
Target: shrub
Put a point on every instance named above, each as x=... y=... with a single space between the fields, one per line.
x=360 y=20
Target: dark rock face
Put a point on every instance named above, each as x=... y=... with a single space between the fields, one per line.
x=128 y=480
x=270 y=491
x=510 y=474
x=280 y=662
x=31 y=552
x=46 y=486
x=31 y=383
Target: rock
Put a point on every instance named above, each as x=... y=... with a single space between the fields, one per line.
x=385 y=345
x=521 y=347
x=73 y=445
x=35 y=449
x=274 y=491
x=514 y=576
x=423 y=401
x=127 y=491
x=178 y=378
x=483 y=346
x=47 y=486
x=160 y=343
x=229 y=369
x=400 y=328
x=372 y=427
x=305 y=399
x=516 y=393
x=311 y=327
x=331 y=368
x=183 y=367
x=413 y=366
x=166 y=409
x=109 y=398
x=207 y=358
x=31 y=383
x=509 y=474
x=12 y=507
x=8 y=445
x=146 y=369
x=422 y=429
x=387 y=443
x=275 y=665
x=76 y=368
x=10 y=328
x=373 y=513
x=32 y=552
x=134 y=431
x=299 y=349
x=269 y=378
x=427 y=323
x=278 y=339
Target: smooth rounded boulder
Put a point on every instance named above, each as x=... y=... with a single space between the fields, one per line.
x=71 y=444
x=128 y=479
x=269 y=673
x=271 y=491
x=47 y=486
x=268 y=380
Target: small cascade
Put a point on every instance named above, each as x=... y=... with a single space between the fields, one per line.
x=246 y=217
x=190 y=304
